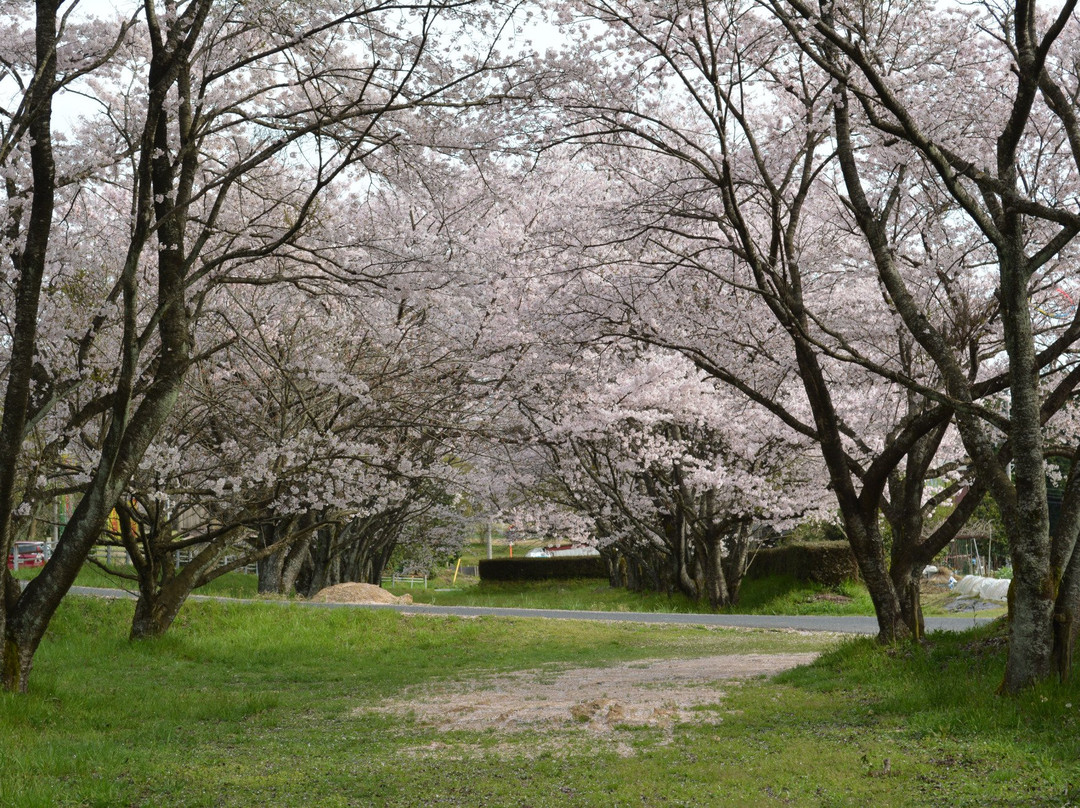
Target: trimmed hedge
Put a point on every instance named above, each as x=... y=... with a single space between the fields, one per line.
x=540 y=569
x=826 y=562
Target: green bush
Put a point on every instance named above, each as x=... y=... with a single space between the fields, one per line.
x=826 y=562
x=540 y=569
x=813 y=532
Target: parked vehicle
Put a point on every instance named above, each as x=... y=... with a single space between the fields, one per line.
x=30 y=554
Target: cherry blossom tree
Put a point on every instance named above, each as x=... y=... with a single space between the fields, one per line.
x=1005 y=160
x=257 y=456
x=332 y=418
x=690 y=464
x=726 y=241
x=221 y=126
x=656 y=458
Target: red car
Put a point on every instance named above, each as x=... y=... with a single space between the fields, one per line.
x=31 y=554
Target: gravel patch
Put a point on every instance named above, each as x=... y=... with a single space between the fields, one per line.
x=656 y=692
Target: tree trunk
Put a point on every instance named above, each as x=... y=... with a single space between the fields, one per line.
x=270 y=571
x=614 y=562
x=163 y=590
x=29 y=263
x=1035 y=585
x=1066 y=620
x=907 y=582
x=155 y=612
x=735 y=562
x=867 y=547
x=631 y=574
x=712 y=562
x=1063 y=556
x=1034 y=588
x=905 y=567
x=859 y=516
x=295 y=557
x=689 y=584
x=128 y=433
x=323 y=562
x=29 y=617
x=1031 y=631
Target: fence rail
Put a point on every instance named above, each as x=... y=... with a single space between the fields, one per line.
x=404 y=580
x=186 y=556
x=118 y=556
x=110 y=556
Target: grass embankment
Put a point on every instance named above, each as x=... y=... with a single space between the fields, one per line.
x=250 y=705
x=775 y=595
x=769 y=596
x=778 y=595
x=230 y=585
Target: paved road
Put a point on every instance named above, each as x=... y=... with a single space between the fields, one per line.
x=840 y=625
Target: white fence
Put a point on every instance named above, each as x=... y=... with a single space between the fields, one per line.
x=185 y=557
x=117 y=556
x=111 y=556
x=404 y=580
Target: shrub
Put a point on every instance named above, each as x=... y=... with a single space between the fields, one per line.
x=814 y=532
x=826 y=562
x=538 y=569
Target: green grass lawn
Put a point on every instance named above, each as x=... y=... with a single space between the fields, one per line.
x=277 y=704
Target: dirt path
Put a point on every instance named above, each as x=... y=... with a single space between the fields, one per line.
x=655 y=692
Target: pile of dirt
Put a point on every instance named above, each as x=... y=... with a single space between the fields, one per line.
x=358 y=593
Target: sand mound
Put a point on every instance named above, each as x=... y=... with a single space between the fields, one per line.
x=358 y=593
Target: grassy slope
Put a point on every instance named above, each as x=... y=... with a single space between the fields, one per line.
x=269 y=704
x=232 y=584
x=777 y=595
x=772 y=596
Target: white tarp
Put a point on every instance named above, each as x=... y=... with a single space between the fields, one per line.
x=976 y=586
